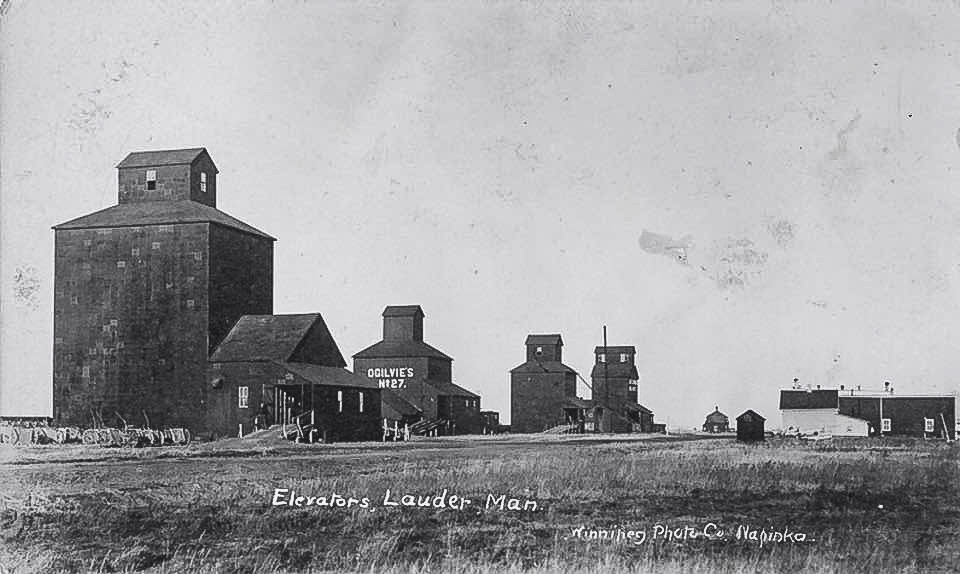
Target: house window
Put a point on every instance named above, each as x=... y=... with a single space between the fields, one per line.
x=190 y=303
x=602 y=357
x=86 y=371
x=74 y=300
x=361 y=401
x=885 y=425
x=927 y=425
x=155 y=245
x=339 y=401
x=623 y=357
x=151 y=179
x=539 y=350
x=466 y=403
x=203 y=181
x=243 y=396
x=197 y=256
x=121 y=264
x=87 y=242
x=135 y=252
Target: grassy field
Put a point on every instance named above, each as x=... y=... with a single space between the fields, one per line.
x=711 y=506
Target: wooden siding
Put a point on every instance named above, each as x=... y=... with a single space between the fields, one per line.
x=537 y=399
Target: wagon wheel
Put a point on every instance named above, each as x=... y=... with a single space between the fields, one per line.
x=103 y=437
x=150 y=436
x=131 y=439
x=6 y=435
x=89 y=436
x=186 y=436
x=116 y=437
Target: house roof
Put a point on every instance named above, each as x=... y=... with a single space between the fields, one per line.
x=328 y=376
x=809 y=399
x=544 y=340
x=158 y=213
x=451 y=389
x=402 y=406
x=717 y=416
x=161 y=157
x=402 y=311
x=750 y=414
x=615 y=370
x=400 y=349
x=542 y=367
x=274 y=338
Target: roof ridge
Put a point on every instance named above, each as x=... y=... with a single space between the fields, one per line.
x=143 y=214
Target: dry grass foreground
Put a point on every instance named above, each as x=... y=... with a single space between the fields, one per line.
x=863 y=505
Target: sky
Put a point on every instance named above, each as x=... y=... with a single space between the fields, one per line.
x=747 y=192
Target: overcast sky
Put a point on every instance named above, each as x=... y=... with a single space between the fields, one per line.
x=746 y=192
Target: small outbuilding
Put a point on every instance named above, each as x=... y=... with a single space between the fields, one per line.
x=750 y=426
x=716 y=422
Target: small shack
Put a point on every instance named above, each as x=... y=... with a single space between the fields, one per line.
x=750 y=426
x=716 y=422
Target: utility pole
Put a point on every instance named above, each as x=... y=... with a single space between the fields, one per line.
x=606 y=384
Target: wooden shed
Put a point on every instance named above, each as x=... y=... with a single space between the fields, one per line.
x=750 y=426
x=716 y=422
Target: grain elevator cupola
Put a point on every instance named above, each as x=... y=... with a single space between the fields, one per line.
x=403 y=323
x=168 y=175
x=544 y=348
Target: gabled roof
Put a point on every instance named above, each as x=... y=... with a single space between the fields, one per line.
x=544 y=340
x=717 y=416
x=542 y=367
x=750 y=414
x=402 y=311
x=162 y=157
x=328 y=376
x=277 y=338
x=810 y=399
x=158 y=213
x=451 y=389
x=615 y=370
x=400 y=349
